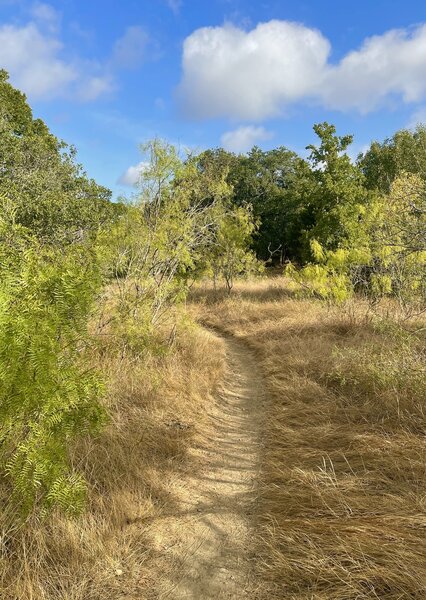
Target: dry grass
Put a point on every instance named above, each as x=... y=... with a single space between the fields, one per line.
x=157 y=404
x=342 y=494
x=342 y=498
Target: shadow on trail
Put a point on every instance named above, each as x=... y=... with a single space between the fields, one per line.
x=206 y=549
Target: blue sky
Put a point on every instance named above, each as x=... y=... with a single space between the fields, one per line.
x=106 y=76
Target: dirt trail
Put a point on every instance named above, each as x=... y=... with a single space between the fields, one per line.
x=207 y=547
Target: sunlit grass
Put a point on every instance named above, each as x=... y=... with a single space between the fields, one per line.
x=341 y=497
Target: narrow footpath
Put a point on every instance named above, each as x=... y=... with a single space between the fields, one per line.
x=208 y=550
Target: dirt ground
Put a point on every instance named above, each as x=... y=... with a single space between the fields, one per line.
x=206 y=549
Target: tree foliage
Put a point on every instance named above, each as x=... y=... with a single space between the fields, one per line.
x=383 y=162
x=50 y=214
x=48 y=396
x=272 y=183
x=39 y=176
x=345 y=227
x=180 y=226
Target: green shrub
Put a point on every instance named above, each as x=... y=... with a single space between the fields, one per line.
x=48 y=395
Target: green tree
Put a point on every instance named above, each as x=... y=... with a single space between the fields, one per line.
x=398 y=241
x=161 y=245
x=404 y=152
x=386 y=257
x=50 y=215
x=338 y=198
x=39 y=176
x=273 y=183
x=229 y=254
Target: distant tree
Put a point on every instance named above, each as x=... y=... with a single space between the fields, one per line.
x=386 y=256
x=338 y=198
x=272 y=183
x=229 y=254
x=268 y=181
x=383 y=162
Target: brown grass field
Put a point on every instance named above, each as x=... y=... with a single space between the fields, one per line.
x=341 y=498
x=342 y=495
x=156 y=403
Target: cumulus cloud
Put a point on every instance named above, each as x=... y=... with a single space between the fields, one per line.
x=255 y=74
x=132 y=176
x=250 y=75
x=385 y=66
x=242 y=139
x=34 y=61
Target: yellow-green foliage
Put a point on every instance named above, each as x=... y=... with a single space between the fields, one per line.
x=179 y=227
x=385 y=255
x=229 y=255
x=328 y=278
x=48 y=396
x=399 y=240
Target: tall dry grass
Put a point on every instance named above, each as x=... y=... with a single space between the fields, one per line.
x=157 y=401
x=342 y=497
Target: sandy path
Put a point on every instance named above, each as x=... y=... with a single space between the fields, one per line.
x=206 y=547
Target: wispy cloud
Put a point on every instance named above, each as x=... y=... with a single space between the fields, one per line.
x=41 y=65
x=129 y=50
x=174 y=5
x=47 y=16
x=417 y=118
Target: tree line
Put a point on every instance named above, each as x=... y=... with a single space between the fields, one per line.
x=341 y=226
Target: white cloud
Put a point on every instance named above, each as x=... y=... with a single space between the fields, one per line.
x=38 y=62
x=129 y=50
x=255 y=74
x=393 y=64
x=133 y=174
x=242 y=139
x=251 y=75
x=33 y=62
x=96 y=86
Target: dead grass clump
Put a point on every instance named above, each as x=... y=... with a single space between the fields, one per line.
x=157 y=402
x=343 y=470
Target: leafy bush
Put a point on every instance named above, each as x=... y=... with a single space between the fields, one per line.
x=48 y=395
